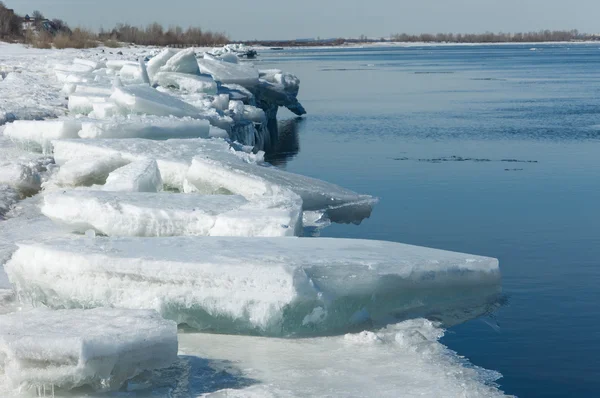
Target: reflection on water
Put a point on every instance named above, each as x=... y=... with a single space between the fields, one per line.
x=285 y=143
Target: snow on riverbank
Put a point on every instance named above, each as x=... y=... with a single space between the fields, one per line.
x=134 y=179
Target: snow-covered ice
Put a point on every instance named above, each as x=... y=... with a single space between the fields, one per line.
x=138 y=176
x=270 y=286
x=144 y=126
x=101 y=348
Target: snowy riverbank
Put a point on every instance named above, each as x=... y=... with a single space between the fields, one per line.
x=134 y=181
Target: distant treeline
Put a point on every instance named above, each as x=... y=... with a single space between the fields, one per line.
x=489 y=37
x=41 y=32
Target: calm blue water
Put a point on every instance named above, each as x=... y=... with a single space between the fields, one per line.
x=430 y=131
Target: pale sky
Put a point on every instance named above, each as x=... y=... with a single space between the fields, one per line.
x=281 y=19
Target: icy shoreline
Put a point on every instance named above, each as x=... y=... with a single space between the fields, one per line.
x=136 y=182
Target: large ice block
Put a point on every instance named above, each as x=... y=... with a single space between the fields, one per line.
x=143 y=99
x=101 y=348
x=144 y=126
x=139 y=176
x=168 y=214
x=255 y=180
x=228 y=73
x=41 y=132
x=173 y=156
x=271 y=286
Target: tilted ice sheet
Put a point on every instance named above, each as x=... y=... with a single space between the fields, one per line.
x=101 y=348
x=271 y=286
x=228 y=73
x=143 y=99
x=173 y=156
x=405 y=360
x=145 y=126
x=139 y=176
x=254 y=180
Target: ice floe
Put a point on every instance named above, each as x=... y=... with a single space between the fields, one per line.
x=270 y=286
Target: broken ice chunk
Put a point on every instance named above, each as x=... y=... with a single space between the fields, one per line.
x=253 y=180
x=100 y=348
x=138 y=176
x=83 y=171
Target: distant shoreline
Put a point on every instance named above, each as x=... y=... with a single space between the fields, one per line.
x=262 y=46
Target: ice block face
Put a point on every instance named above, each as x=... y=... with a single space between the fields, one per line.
x=167 y=214
x=139 y=176
x=39 y=133
x=254 y=180
x=143 y=126
x=268 y=286
x=101 y=348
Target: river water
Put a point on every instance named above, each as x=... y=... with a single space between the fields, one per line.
x=491 y=150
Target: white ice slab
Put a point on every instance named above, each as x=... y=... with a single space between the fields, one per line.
x=226 y=72
x=145 y=126
x=40 y=132
x=89 y=89
x=271 y=286
x=182 y=62
x=173 y=156
x=168 y=214
x=405 y=360
x=139 y=176
x=144 y=99
x=254 y=180
x=87 y=171
x=186 y=82
x=158 y=61
x=101 y=348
